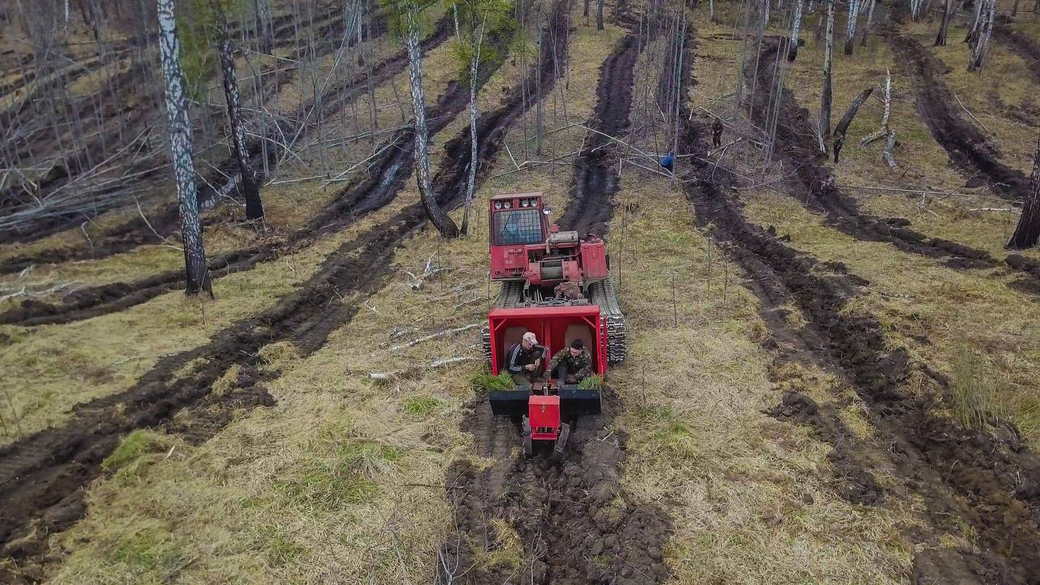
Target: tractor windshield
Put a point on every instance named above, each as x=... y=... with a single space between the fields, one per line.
x=522 y=226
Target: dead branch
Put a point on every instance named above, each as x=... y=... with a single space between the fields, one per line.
x=439 y=363
x=437 y=335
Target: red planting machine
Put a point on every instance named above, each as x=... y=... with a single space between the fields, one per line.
x=555 y=284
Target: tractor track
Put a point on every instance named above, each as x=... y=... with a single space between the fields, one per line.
x=966 y=145
x=817 y=184
x=140 y=117
x=135 y=232
x=576 y=523
x=962 y=476
x=1020 y=44
x=595 y=183
x=43 y=477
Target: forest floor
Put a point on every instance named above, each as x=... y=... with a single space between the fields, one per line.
x=831 y=368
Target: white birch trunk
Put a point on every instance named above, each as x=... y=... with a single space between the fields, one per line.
x=825 y=97
x=440 y=220
x=197 y=275
x=796 y=27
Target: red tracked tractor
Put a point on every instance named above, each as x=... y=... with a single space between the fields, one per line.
x=556 y=285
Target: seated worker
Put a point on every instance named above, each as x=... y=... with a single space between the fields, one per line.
x=524 y=360
x=573 y=364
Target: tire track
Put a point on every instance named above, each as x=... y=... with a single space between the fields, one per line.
x=575 y=522
x=963 y=476
x=43 y=476
x=816 y=182
x=967 y=146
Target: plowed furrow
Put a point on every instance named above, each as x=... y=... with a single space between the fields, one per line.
x=967 y=146
x=575 y=523
x=815 y=185
x=963 y=476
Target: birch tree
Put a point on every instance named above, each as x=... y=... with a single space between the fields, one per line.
x=264 y=26
x=980 y=48
x=870 y=21
x=407 y=15
x=825 y=97
x=1027 y=232
x=940 y=39
x=196 y=272
x=473 y=20
x=850 y=27
x=796 y=25
x=249 y=185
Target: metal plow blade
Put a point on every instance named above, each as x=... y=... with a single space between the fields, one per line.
x=575 y=402
x=509 y=402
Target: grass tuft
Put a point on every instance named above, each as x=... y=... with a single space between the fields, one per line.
x=421 y=406
x=976 y=393
x=485 y=382
x=133 y=446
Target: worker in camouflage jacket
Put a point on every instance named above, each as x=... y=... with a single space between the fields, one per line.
x=573 y=364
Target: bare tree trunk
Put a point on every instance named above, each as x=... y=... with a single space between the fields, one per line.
x=973 y=32
x=870 y=22
x=846 y=120
x=264 y=27
x=981 y=46
x=441 y=220
x=539 y=112
x=940 y=39
x=196 y=273
x=711 y=10
x=586 y=12
x=250 y=188
x=474 y=160
x=599 y=14
x=825 y=98
x=1014 y=9
x=796 y=26
x=1027 y=233
x=850 y=27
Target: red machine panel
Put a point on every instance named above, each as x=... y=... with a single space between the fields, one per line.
x=555 y=327
x=594 y=260
x=544 y=414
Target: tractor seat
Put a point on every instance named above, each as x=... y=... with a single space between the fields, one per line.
x=570 y=237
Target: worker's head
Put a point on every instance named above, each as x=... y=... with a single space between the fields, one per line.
x=529 y=340
x=577 y=346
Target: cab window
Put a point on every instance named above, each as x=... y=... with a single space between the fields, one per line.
x=519 y=226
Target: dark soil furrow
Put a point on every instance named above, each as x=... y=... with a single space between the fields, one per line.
x=369 y=193
x=42 y=477
x=967 y=146
x=796 y=139
x=1021 y=44
x=136 y=232
x=575 y=522
x=963 y=476
x=595 y=182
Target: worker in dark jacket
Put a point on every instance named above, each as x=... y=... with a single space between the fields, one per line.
x=524 y=360
x=573 y=364
x=716 y=133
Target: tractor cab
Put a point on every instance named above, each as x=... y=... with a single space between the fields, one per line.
x=525 y=247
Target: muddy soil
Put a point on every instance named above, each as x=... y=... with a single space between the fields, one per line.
x=967 y=146
x=595 y=182
x=963 y=476
x=575 y=522
x=816 y=186
x=43 y=476
x=1021 y=44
